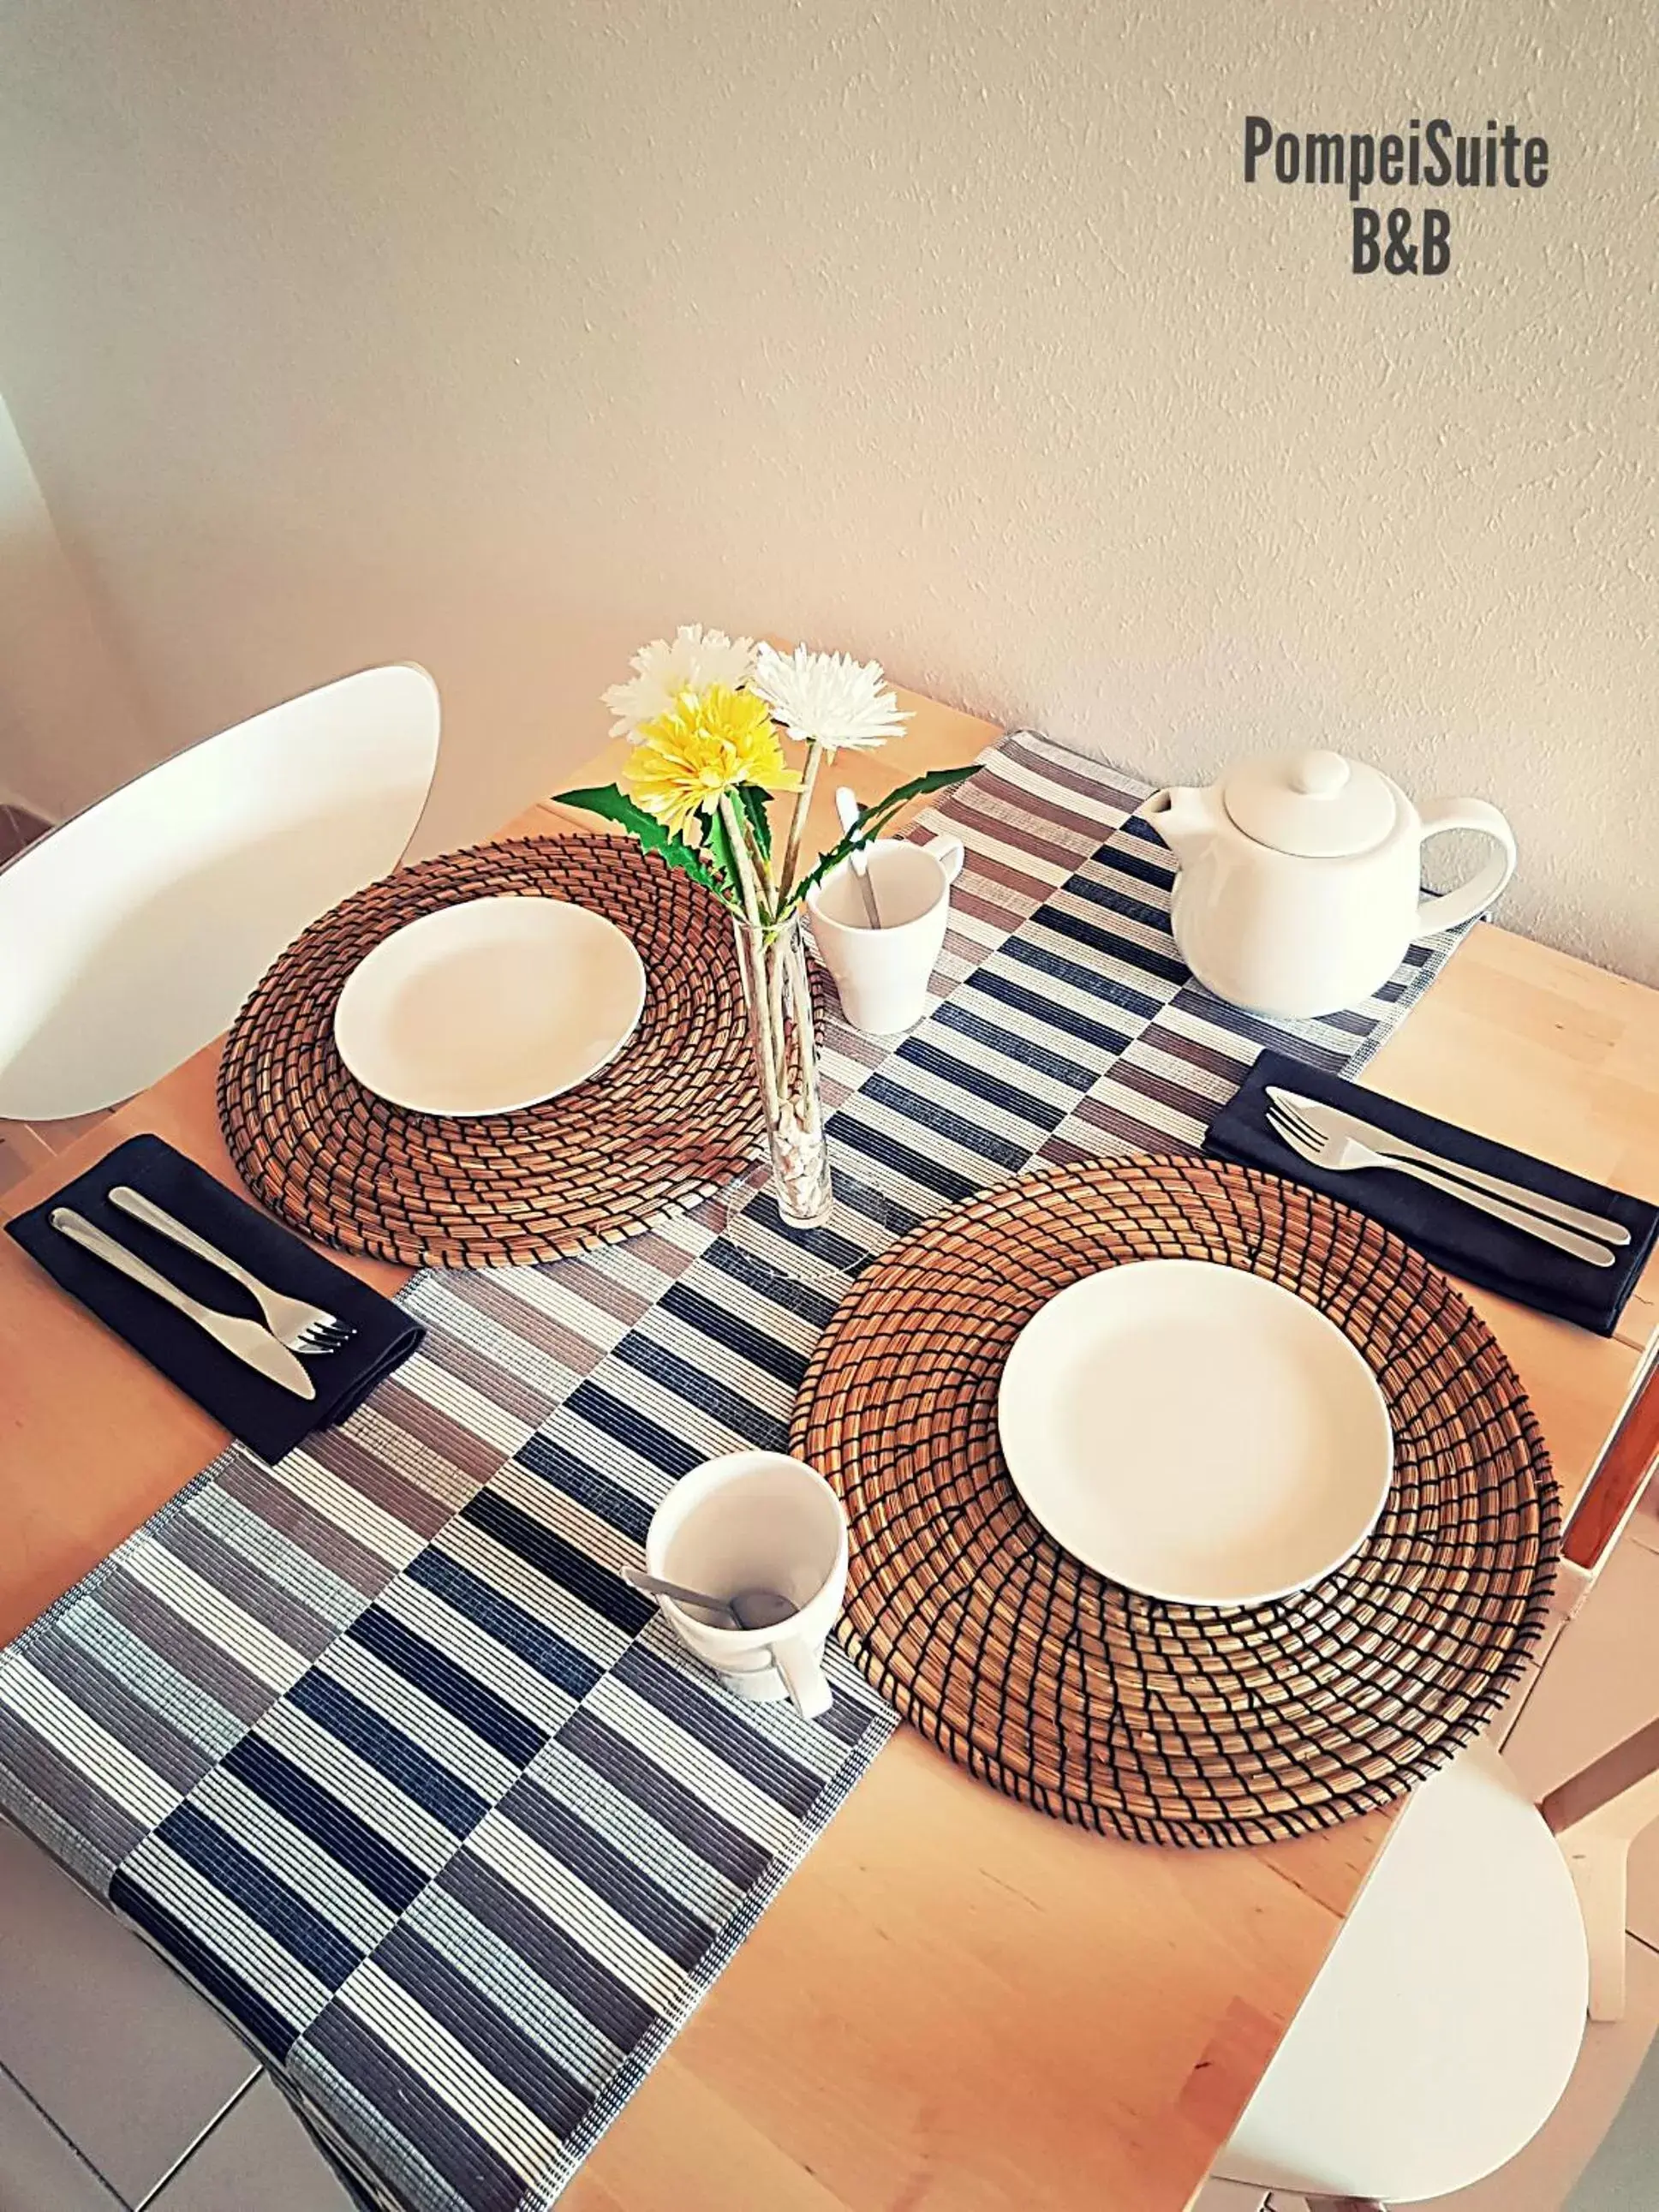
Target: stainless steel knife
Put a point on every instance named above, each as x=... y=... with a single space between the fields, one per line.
x=245 y=1340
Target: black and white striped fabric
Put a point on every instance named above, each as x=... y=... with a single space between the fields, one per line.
x=377 y=1745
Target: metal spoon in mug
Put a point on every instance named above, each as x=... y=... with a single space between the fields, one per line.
x=851 y=813
x=749 y=1608
x=762 y=1608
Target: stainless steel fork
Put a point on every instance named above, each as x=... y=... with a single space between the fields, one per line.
x=303 y=1327
x=1340 y=1155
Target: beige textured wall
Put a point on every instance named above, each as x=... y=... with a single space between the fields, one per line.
x=502 y=335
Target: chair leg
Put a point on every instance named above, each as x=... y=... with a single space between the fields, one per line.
x=1598 y=1866
x=1280 y=2201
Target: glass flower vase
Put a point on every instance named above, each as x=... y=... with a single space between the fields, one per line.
x=773 y=959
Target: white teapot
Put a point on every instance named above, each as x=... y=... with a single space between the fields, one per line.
x=1299 y=888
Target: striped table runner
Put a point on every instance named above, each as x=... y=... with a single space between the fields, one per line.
x=378 y=1746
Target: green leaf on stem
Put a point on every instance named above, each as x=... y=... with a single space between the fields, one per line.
x=755 y=812
x=614 y=805
x=718 y=843
x=875 y=818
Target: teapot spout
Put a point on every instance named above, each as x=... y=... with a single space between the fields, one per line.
x=1184 y=817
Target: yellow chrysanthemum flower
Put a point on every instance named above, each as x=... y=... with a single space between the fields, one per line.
x=710 y=743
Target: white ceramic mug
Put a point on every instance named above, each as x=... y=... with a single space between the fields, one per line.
x=883 y=974
x=755 y=1520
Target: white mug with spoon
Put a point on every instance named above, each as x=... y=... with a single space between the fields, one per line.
x=882 y=968
x=764 y=1535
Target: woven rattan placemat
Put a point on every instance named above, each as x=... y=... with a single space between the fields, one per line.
x=1162 y=1722
x=674 y=1118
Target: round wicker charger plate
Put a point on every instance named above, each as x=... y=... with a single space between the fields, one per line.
x=671 y=1119
x=1162 y=1722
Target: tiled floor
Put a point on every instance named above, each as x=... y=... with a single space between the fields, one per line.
x=38 y=2168
x=255 y=2157
x=258 y=2159
x=132 y=2122
x=118 y=2086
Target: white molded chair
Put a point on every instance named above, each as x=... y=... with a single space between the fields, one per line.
x=1447 y=2020
x=130 y=936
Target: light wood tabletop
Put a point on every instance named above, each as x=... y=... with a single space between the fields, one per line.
x=956 y=2005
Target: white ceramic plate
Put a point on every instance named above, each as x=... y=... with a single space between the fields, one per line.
x=490 y=1006
x=1194 y=1432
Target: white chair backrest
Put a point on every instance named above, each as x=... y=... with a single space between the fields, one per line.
x=130 y=936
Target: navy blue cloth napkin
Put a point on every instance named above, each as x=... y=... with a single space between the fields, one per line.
x=262 y=1413
x=1455 y=1236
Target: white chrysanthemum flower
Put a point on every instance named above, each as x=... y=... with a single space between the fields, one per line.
x=828 y=699
x=697 y=658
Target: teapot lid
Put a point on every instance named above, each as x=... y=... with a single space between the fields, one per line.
x=1315 y=805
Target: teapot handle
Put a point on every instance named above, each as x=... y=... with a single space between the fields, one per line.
x=1447 y=909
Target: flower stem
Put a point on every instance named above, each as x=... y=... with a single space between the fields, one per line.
x=797 y=825
x=730 y=814
x=763 y=1013
x=783 y=885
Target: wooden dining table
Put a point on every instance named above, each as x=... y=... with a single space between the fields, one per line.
x=956 y=2005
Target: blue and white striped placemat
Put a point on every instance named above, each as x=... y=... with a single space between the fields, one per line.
x=378 y=1746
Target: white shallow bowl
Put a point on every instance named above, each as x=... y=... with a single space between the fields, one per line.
x=1195 y=1432
x=490 y=1006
